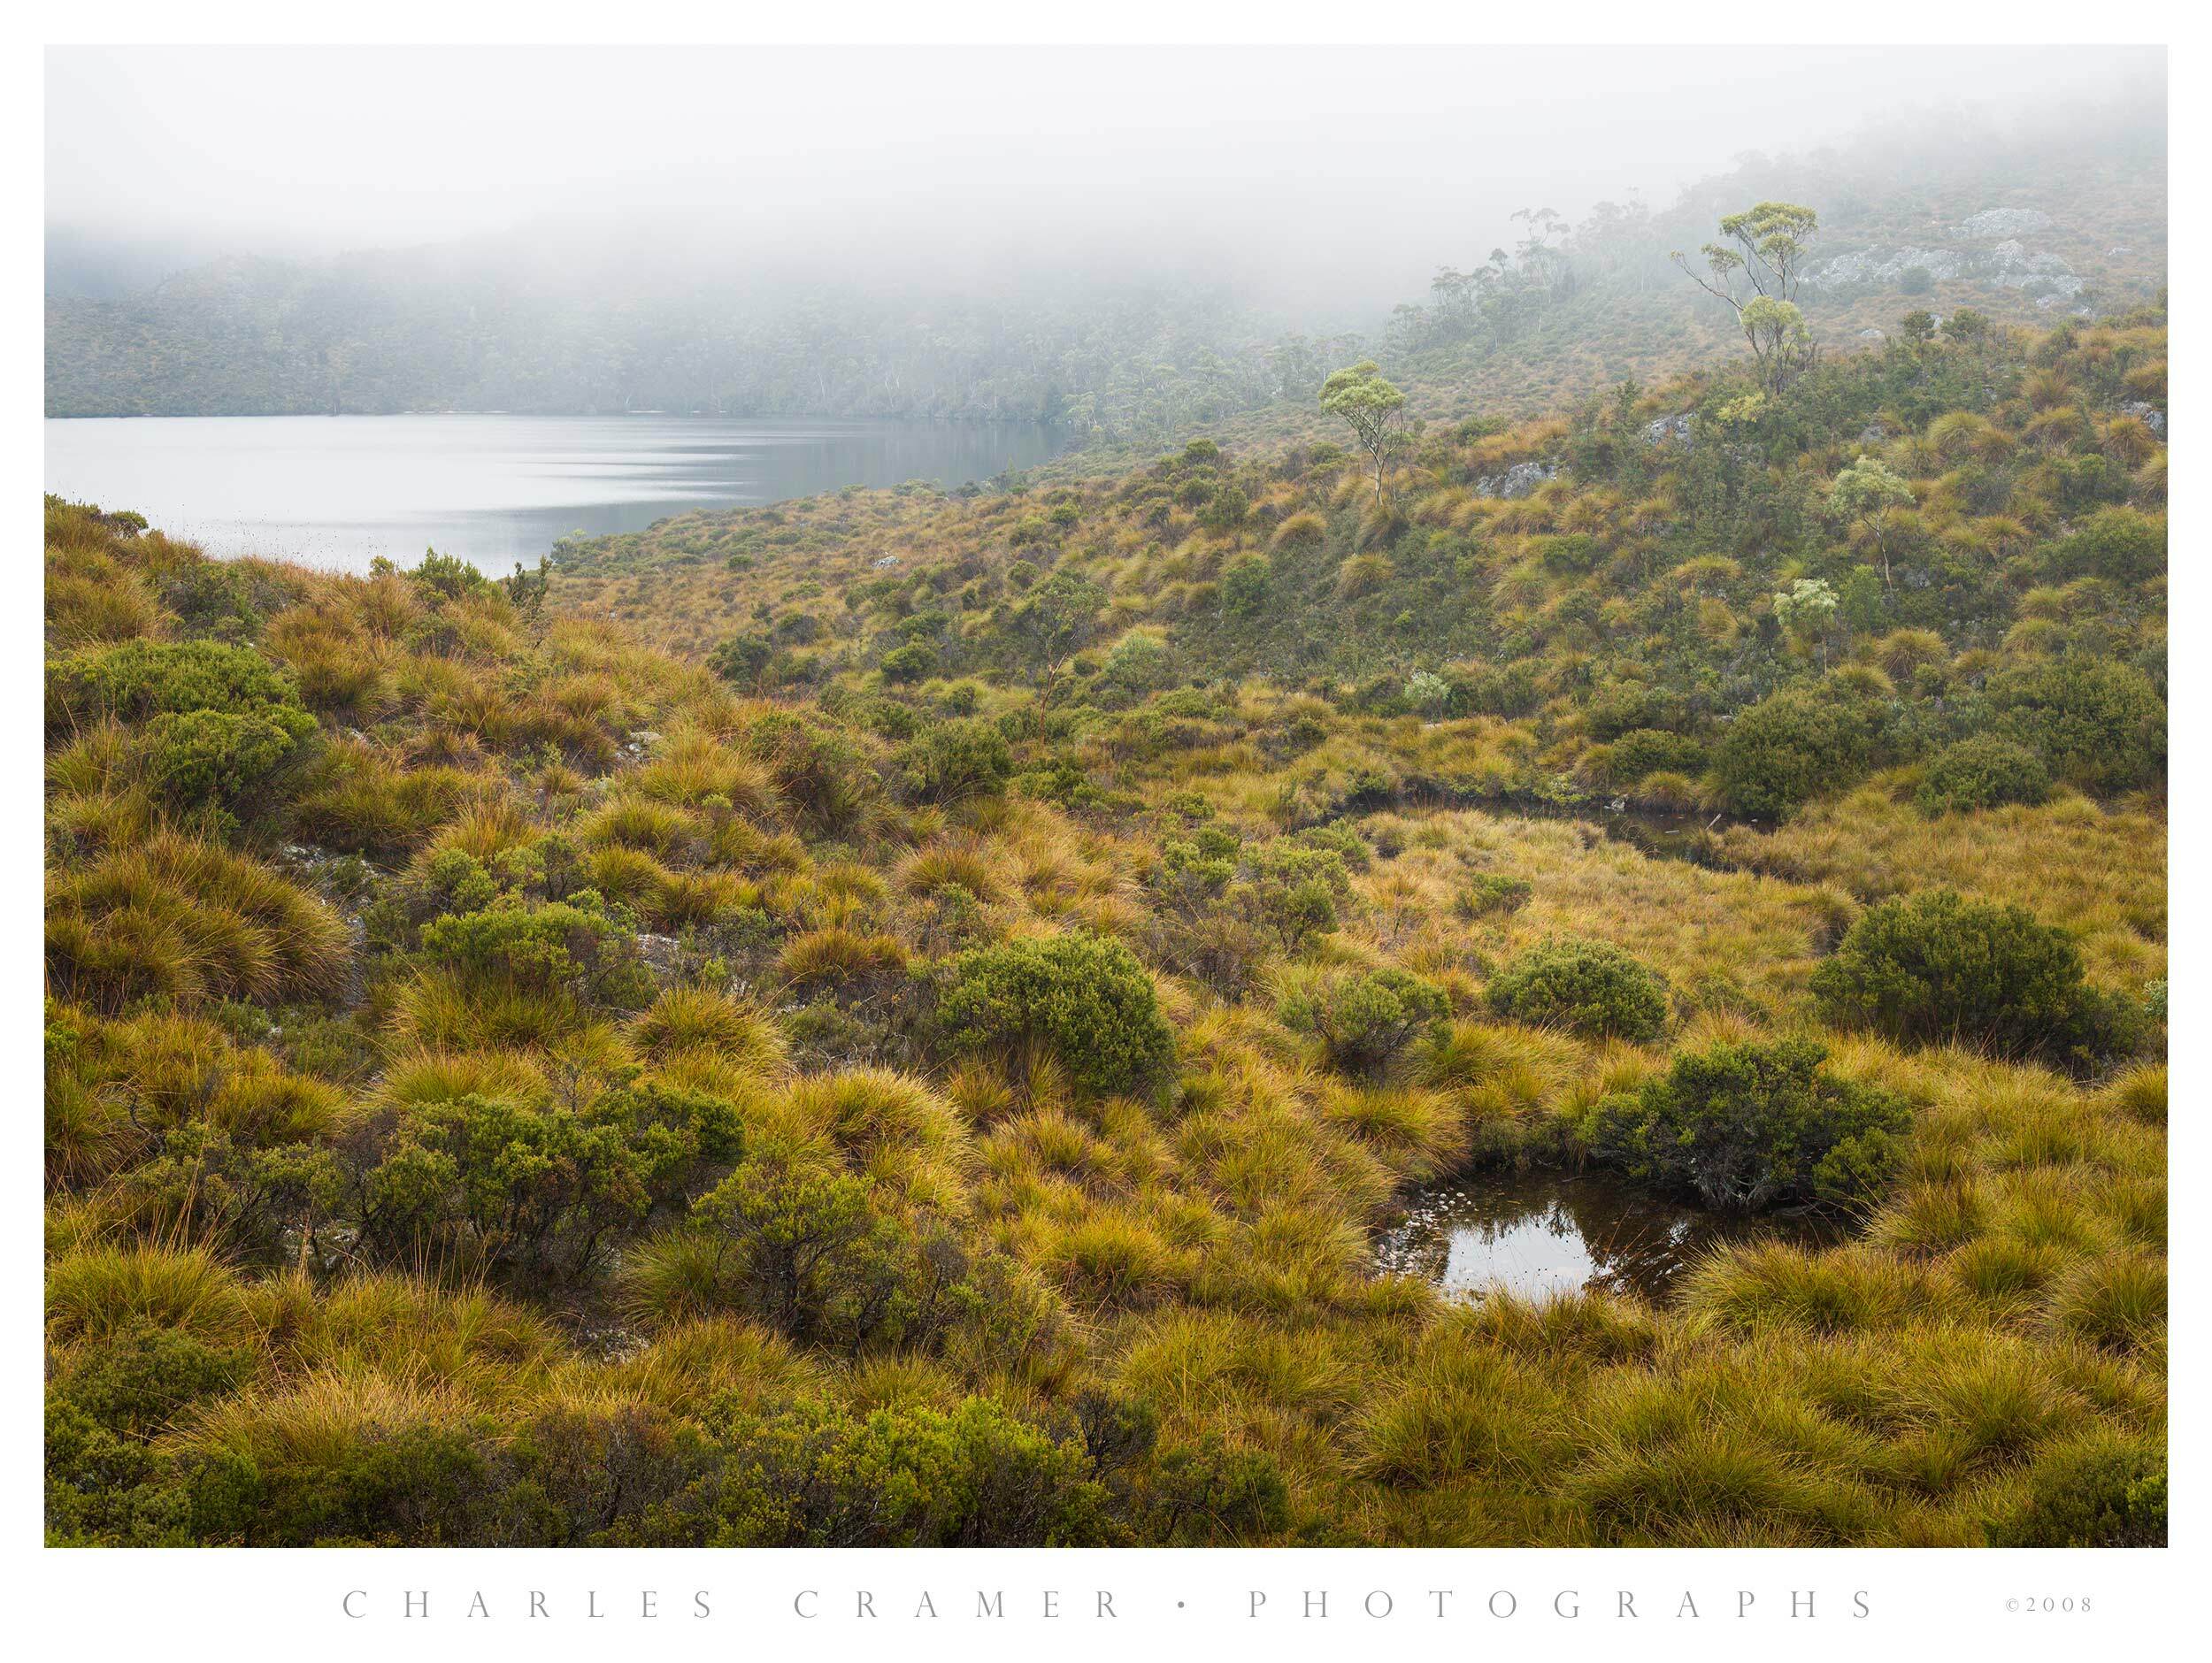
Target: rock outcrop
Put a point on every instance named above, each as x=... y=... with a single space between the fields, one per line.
x=1520 y=480
x=2004 y=222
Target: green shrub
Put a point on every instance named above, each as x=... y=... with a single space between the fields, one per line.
x=742 y=659
x=493 y=1184
x=199 y=757
x=819 y=1474
x=1588 y=988
x=1510 y=691
x=908 y=663
x=106 y=1488
x=139 y=1376
x=817 y=769
x=1792 y=748
x=1641 y=751
x=1086 y=999
x=560 y=945
x=2100 y=724
x=448 y=576
x=1291 y=891
x=1366 y=1021
x=1938 y=970
x=144 y=679
x=1139 y=664
x=254 y=1201
x=213 y=597
x=356 y=1484
x=1208 y=1493
x=2117 y=543
x=791 y=1233
x=1982 y=772
x=1747 y=1127
x=2102 y=1491
x=1245 y=582
x=1346 y=843
x=954 y=761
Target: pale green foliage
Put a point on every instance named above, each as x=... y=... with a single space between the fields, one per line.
x=1806 y=606
x=1757 y=270
x=1866 y=492
x=1372 y=406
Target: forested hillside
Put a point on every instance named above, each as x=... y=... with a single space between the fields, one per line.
x=260 y=337
x=899 y=1019
x=1942 y=216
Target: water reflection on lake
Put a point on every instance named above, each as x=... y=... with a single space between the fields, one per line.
x=1539 y=1235
x=336 y=491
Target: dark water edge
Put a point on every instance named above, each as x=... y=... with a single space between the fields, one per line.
x=1541 y=1234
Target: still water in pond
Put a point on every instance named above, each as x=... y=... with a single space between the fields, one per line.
x=1543 y=1234
x=335 y=491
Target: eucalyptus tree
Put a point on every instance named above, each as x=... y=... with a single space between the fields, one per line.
x=1372 y=406
x=1756 y=268
x=1866 y=493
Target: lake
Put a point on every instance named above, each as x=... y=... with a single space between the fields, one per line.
x=336 y=491
x=1542 y=1234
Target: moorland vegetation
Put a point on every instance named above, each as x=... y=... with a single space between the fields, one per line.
x=895 y=1018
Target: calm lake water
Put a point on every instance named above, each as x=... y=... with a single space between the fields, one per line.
x=1539 y=1235
x=335 y=491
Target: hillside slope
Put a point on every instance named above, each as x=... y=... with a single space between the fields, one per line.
x=898 y=1019
x=1936 y=212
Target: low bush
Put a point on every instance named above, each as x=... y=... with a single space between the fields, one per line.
x=569 y=946
x=1982 y=772
x=497 y=1186
x=822 y=1475
x=951 y=761
x=2100 y=724
x=144 y=678
x=1791 y=747
x=1749 y=1127
x=908 y=663
x=1086 y=1000
x=1645 y=751
x=1493 y=892
x=1364 y=1021
x=1590 y=988
x=200 y=758
x=2101 y=1492
x=1938 y=969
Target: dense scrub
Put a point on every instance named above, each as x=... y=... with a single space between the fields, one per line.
x=509 y=1082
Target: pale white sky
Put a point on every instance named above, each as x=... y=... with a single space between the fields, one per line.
x=1321 y=171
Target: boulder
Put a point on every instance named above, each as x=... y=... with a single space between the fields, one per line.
x=1520 y=480
x=2148 y=413
x=663 y=954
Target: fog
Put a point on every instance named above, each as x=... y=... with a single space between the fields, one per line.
x=1321 y=180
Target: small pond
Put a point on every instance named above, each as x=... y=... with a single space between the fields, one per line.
x=1546 y=1233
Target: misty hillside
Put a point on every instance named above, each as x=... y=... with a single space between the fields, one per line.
x=2071 y=223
